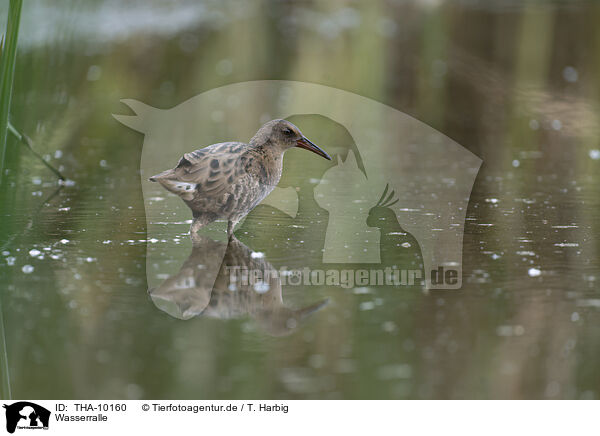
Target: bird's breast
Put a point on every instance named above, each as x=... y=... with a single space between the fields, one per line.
x=265 y=169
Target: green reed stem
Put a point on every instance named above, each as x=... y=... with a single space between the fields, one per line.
x=7 y=73
x=6 y=391
x=26 y=141
x=8 y=55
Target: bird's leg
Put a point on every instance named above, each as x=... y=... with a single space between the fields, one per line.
x=199 y=222
x=196 y=225
x=230 y=227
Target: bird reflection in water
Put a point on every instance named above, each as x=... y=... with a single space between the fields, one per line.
x=205 y=286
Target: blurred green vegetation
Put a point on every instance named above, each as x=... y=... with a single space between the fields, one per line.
x=8 y=53
x=516 y=83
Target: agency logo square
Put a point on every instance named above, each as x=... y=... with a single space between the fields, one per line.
x=24 y=415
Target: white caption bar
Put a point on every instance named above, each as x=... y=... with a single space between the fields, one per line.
x=299 y=417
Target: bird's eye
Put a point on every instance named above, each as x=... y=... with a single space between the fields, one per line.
x=288 y=132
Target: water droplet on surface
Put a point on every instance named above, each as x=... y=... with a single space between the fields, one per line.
x=291 y=323
x=367 y=305
x=261 y=287
x=510 y=330
x=570 y=74
x=525 y=253
x=224 y=67
x=389 y=326
x=94 y=73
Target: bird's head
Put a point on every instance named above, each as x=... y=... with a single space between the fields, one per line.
x=283 y=135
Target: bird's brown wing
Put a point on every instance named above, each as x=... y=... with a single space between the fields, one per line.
x=209 y=171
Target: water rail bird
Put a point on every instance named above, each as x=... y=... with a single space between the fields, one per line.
x=229 y=179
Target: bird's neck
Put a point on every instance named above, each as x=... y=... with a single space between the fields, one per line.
x=272 y=160
x=268 y=151
x=259 y=140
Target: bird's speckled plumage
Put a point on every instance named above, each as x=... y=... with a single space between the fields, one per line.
x=228 y=180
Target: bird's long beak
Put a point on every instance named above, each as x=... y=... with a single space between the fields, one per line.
x=307 y=145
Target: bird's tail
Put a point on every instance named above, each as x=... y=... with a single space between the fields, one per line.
x=171 y=182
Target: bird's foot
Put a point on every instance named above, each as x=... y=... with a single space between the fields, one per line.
x=195 y=238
